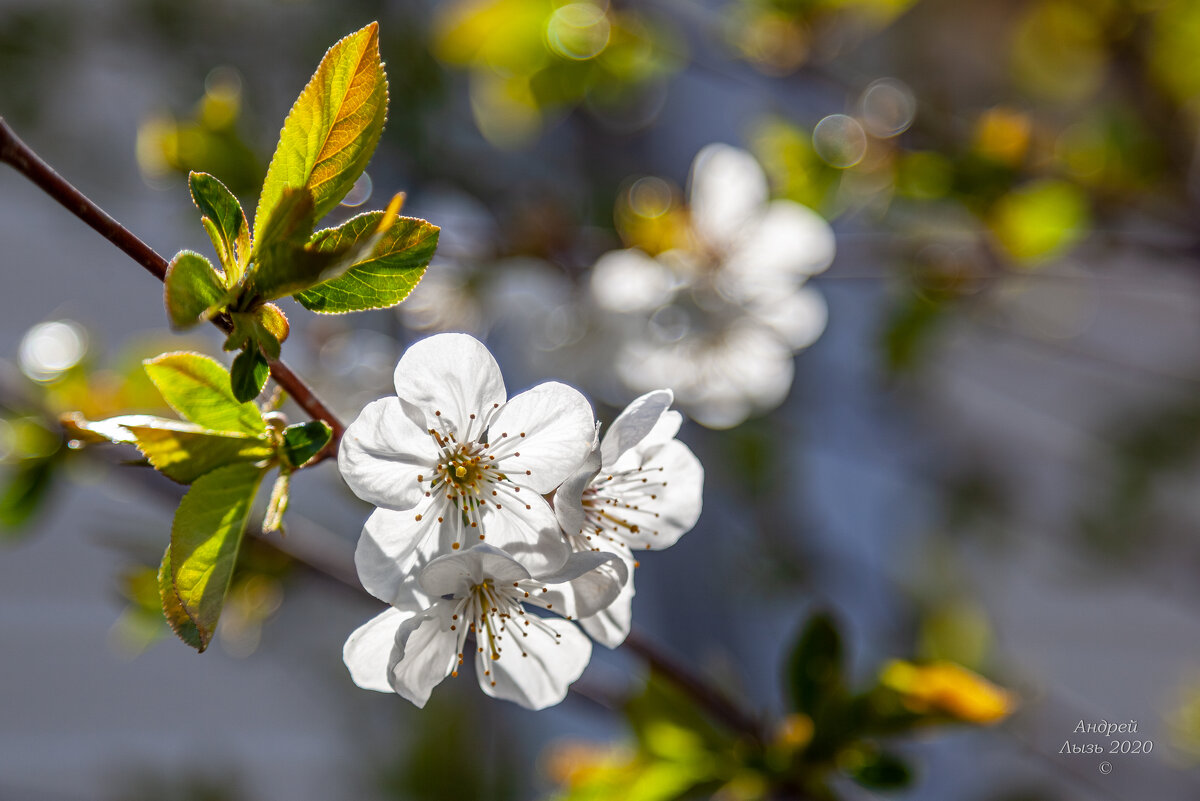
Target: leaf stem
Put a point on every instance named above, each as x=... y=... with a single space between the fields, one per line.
x=24 y=160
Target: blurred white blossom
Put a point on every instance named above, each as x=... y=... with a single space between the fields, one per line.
x=718 y=318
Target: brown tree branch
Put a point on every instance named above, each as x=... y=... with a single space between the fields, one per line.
x=24 y=160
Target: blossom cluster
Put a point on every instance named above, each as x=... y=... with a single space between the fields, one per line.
x=505 y=527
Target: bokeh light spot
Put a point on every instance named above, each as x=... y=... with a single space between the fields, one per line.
x=840 y=141
x=49 y=349
x=578 y=31
x=888 y=108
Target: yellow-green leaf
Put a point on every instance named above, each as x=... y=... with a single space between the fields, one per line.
x=191 y=289
x=205 y=537
x=199 y=389
x=385 y=277
x=186 y=454
x=332 y=129
x=183 y=626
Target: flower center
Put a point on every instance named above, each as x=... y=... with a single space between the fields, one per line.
x=613 y=506
x=493 y=613
x=463 y=471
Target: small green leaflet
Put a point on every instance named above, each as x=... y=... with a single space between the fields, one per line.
x=191 y=289
x=385 y=277
x=205 y=538
x=332 y=129
x=249 y=373
x=182 y=451
x=225 y=223
x=303 y=441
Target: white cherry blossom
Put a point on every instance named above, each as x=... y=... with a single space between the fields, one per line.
x=719 y=318
x=639 y=489
x=451 y=462
x=481 y=594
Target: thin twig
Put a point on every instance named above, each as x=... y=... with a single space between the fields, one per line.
x=699 y=688
x=24 y=160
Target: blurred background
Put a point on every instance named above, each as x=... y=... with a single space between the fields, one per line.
x=973 y=434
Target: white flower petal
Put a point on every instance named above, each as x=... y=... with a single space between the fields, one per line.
x=667 y=506
x=454 y=374
x=790 y=243
x=799 y=317
x=625 y=281
x=367 y=652
x=568 y=498
x=728 y=193
x=633 y=424
x=382 y=453
x=455 y=573
x=610 y=626
x=391 y=550
x=588 y=583
x=531 y=536
x=425 y=653
x=536 y=670
x=542 y=435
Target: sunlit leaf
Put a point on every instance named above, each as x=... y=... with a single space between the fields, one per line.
x=199 y=389
x=249 y=374
x=179 y=450
x=291 y=220
x=225 y=222
x=192 y=289
x=289 y=267
x=385 y=277
x=183 y=626
x=303 y=441
x=332 y=129
x=271 y=328
x=205 y=537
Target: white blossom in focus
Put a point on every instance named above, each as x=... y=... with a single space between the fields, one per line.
x=480 y=594
x=451 y=461
x=718 y=319
x=640 y=489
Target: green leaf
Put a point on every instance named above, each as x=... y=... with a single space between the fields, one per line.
x=815 y=666
x=290 y=221
x=883 y=772
x=249 y=373
x=183 y=626
x=288 y=267
x=193 y=289
x=278 y=504
x=199 y=389
x=180 y=451
x=385 y=277
x=225 y=222
x=332 y=129
x=205 y=537
x=303 y=441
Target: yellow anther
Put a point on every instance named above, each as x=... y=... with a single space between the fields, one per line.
x=460 y=471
